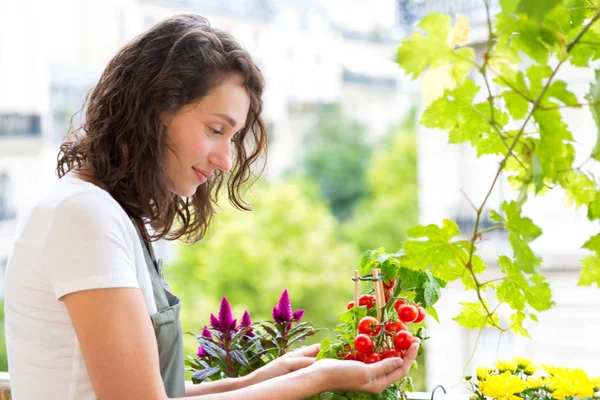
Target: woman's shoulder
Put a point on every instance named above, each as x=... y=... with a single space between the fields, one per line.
x=71 y=198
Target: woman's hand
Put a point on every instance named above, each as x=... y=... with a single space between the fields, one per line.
x=355 y=376
x=285 y=364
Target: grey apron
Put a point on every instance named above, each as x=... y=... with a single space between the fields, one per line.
x=167 y=326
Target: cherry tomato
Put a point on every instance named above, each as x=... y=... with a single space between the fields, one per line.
x=365 y=300
x=395 y=326
x=407 y=312
x=403 y=340
x=389 y=353
x=350 y=304
x=398 y=303
x=363 y=344
x=359 y=356
x=367 y=326
x=421 y=315
x=350 y=357
x=372 y=358
x=389 y=284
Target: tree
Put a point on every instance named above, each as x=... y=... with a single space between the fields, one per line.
x=383 y=217
x=336 y=158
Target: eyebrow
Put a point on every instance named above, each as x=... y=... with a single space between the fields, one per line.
x=228 y=119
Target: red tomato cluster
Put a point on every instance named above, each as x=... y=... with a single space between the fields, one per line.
x=371 y=342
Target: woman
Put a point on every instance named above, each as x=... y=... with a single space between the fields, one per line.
x=175 y=115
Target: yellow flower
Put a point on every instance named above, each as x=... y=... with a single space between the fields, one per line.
x=482 y=373
x=566 y=382
x=503 y=386
x=522 y=363
x=530 y=370
x=535 y=383
x=506 y=365
x=459 y=35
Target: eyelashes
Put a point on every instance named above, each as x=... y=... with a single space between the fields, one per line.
x=234 y=138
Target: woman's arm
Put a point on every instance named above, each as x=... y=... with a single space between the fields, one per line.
x=286 y=364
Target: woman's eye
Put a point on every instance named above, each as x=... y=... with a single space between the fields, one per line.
x=214 y=131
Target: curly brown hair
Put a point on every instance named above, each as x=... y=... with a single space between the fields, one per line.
x=172 y=65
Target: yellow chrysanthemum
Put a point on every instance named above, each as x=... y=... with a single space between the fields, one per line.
x=530 y=369
x=482 y=373
x=504 y=386
x=566 y=382
x=506 y=365
x=552 y=370
x=522 y=362
x=459 y=35
x=535 y=383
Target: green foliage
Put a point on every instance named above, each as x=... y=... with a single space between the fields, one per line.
x=383 y=216
x=336 y=158
x=3 y=354
x=522 y=123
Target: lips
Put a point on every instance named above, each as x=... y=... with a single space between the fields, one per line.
x=201 y=175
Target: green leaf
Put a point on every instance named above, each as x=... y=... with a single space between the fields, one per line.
x=420 y=51
x=516 y=320
x=578 y=187
x=590 y=273
x=367 y=260
x=594 y=98
x=455 y=112
x=447 y=259
x=521 y=231
x=537 y=10
x=593 y=243
x=558 y=90
x=430 y=292
x=516 y=104
x=473 y=316
x=517 y=290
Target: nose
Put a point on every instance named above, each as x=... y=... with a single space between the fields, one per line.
x=220 y=157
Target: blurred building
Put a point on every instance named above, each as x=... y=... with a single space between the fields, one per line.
x=52 y=53
x=568 y=333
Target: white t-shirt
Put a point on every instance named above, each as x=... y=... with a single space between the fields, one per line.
x=77 y=237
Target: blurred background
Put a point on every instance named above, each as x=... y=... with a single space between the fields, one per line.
x=348 y=167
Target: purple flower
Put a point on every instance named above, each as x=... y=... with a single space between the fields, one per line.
x=226 y=321
x=214 y=322
x=201 y=352
x=298 y=315
x=247 y=323
x=282 y=313
x=205 y=332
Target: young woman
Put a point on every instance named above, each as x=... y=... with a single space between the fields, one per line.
x=176 y=115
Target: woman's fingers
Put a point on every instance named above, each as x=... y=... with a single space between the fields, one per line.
x=391 y=370
x=309 y=351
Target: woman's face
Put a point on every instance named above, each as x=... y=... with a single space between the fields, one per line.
x=200 y=136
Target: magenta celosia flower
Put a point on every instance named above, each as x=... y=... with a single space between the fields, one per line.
x=201 y=352
x=226 y=321
x=282 y=313
x=246 y=322
x=298 y=315
x=206 y=333
x=214 y=322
